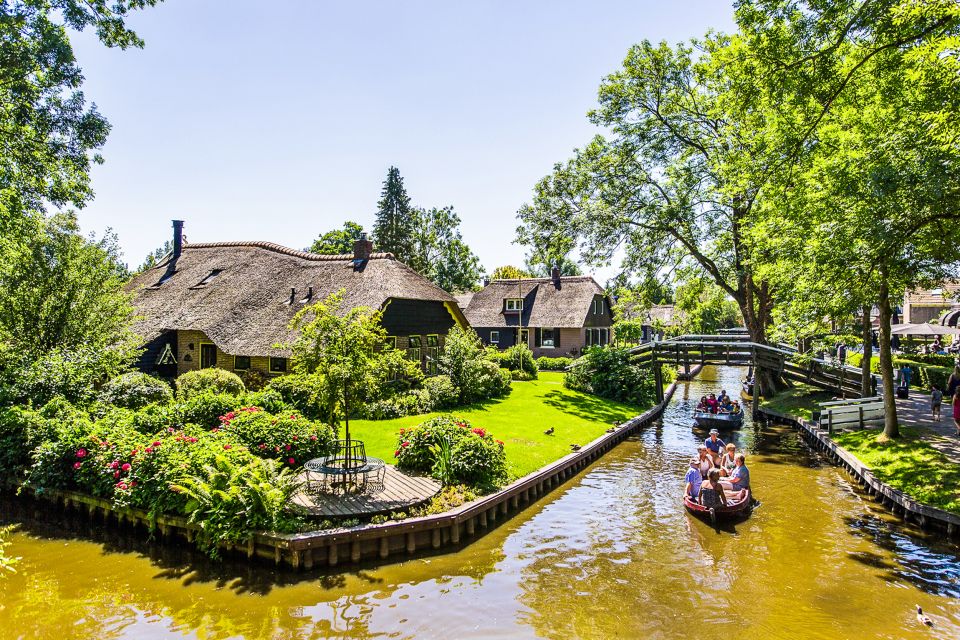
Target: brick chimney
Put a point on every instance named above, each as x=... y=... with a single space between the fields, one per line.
x=555 y=276
x=362 y=248
x=177 y=238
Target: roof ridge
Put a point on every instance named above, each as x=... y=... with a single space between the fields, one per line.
x=541 y=279
x=279 y=248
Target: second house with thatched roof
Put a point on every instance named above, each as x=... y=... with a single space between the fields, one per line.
x=555 y=316
x=229 y=304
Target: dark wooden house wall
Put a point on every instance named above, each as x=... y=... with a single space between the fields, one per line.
x=507 y=335
x=417 y=317
x=147 y=362
x=604 y=319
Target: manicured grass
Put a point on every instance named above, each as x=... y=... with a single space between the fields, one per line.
x=799 y=400
x=909 y=464
x=519 y=420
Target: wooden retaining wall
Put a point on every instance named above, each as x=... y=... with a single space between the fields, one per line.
x=381 y=542
x=899 y=503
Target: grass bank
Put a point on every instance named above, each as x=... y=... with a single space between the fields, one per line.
x=519 y=420
x=909 y=464
x=799 y=400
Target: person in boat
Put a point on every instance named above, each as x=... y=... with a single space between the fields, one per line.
x=712 y=403
x=704 y=461
x=726 y=406
x=723 y=396
x=693 y=480
x=739 y=479
x=728 y=461
x=735 y=408
x=702 y=405
x=711 y=492
x=715 y=444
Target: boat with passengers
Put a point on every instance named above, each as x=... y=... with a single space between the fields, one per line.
x=718 y=413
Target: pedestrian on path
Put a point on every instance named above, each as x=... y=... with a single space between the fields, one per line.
x=952 y=390
x=936 y=397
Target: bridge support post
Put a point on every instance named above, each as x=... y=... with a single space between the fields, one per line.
x=755 y=401
x=658 y=378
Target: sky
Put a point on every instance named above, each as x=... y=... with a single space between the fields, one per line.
x=278 y=120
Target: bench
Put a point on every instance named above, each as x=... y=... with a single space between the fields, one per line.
x=844 y=413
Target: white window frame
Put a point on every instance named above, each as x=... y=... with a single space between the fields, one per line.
x=543 y=341
x=513 y=304
x=495 y=337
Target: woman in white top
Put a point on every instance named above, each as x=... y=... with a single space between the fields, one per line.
x=728 y=462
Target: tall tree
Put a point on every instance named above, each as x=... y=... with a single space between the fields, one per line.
x=509 y=272
x=338 y=241
x=155 y=256
x=540 y=263
x=48 y=133
x=439 y=252
x=394 y=225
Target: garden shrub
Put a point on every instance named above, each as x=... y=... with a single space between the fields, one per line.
x=193 y=383
x=609 y=372
x=523 y=376
x=135 y=389
x=254 y=379
x=21 y=430
x=288 y=438
x=484 y=379
x=305 y=392
x=545 y=363
x=205 y=409
x=470 y=369
x=443 y=395
x=475 y=457
x=519 y=357
x=267 y=399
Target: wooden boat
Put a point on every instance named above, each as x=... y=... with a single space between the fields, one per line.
x=718 y=421
x=733 y=509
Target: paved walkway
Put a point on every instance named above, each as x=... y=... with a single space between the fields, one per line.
x=915 y=412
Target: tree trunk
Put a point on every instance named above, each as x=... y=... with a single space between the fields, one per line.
x=866 y=378
x=891 y=427
x=766 y=382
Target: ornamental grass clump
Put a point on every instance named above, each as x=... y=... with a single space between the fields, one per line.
x=453 y=451
x=288 y=438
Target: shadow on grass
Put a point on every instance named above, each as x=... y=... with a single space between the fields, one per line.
x=589 y=407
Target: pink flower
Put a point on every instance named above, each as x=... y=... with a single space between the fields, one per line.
x=404 y=444
x=170 y=429
x=226 y=446
x=81 y=453
x=126 y=466
x=215 y=430
x=396 y=454
x=479 y=432
x=313 y=438
x=156 y=444
x=293 y=437
x=77 y=465
x=116 y=474
x=134 y=452
x=288 y=447
x=114 y=464
x=121 y=485
x=148 y=450
x=292 y=461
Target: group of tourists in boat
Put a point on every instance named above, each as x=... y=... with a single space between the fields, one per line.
x=718 y=411
x=718 y=480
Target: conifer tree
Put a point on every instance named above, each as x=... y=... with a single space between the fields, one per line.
x=393 y=228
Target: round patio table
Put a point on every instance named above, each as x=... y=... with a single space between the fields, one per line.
x=329 y=475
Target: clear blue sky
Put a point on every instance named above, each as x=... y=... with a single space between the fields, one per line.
x=278 y=120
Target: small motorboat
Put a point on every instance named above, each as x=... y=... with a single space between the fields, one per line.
x=733 y=509
x=719 y=421
x=746 y=392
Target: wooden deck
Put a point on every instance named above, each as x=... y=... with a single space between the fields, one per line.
x=400 y=492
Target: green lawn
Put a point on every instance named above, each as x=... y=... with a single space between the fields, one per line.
x=799 y=400
x=909 y=464
x=519 y=420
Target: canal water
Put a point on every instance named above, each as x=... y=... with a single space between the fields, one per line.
x=611 y=554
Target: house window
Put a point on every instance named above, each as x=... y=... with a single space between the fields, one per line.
x=433 y=355
x=597 y=337
x=163 y=279
x=210 y=276
x=208 y=356
x=598 y=306
x=494 y=337
x=241 y=363
x=413 y=348
x=548 y=337
x=513 y=304
x=390 y=343
x=525 y=336
x=278 y=365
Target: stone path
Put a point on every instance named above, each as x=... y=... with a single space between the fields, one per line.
x=915 y=412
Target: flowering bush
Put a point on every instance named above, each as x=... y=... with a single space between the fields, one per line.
x=288 y=438
x=205 y=409
x=134 y=389
x=475 y=457
x=212 y=380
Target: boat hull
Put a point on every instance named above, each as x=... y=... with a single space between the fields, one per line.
x=719 y=421
x=739 y=509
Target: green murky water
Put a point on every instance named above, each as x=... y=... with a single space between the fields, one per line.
x=610 y=555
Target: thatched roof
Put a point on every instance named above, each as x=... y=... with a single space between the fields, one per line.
x=246 y=307
x=463 y=300
x=544 y=303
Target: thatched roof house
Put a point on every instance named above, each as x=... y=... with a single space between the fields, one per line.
x=553 y=316
x=227 y=304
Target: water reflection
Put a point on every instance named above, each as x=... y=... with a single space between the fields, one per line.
x=611 y=554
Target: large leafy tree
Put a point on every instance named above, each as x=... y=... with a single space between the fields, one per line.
x=48 y=133
x=338 y=241
x=439 y=252
x=509 y=272
x=64 y=318
x=394 y=225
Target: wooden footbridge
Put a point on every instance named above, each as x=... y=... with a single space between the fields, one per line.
x=737 y=349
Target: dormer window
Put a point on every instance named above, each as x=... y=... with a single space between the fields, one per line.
x=513 y=304
x=163 y=280
x=208 y=278
x=598 y=306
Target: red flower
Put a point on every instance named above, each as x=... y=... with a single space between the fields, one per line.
x=81 y=453
x=114 y=464
x=292 y=461
x=313 y=438
x=500 y=442
x=116 y=474
x=288 y=447
x=121 y=485
x=404 y=444
x=402 y=431
x=293 y=437
x=396 y=454
x=133 y=483
x=126 y=466
x=479 y=432
x=226 y=446
x=134 y=452
x=77 y=465
x=156 y=444
x=215 y=430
